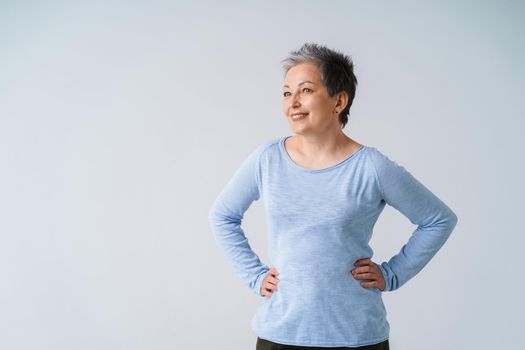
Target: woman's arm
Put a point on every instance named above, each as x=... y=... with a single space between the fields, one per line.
x=225 y=218
x=434 y=218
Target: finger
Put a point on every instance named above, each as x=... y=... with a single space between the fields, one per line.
x=273 y=271
x=362 y=262
x=369 y=284
x=367 y=268
x=274 y=280
x=368 y=276
x=266 y=293
x=270 y=278
x=358 y=262
x=362 y=269
x=270 y=286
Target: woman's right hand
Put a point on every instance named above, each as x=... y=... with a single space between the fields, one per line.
x=269 y=283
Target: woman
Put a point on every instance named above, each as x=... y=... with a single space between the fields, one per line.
x=323 y=192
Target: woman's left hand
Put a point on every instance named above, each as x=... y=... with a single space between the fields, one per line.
x=367 y=269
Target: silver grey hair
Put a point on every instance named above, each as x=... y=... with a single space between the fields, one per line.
x=337 y=71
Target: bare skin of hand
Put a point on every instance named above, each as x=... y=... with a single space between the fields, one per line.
x=367 y=269
x=269 y=283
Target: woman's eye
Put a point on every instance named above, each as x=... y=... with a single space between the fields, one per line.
x=304 y=89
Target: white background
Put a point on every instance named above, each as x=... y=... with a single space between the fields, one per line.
x=120 y=122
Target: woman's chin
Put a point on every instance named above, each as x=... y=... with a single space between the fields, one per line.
x=298 y=125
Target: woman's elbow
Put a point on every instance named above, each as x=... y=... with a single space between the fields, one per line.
x=452 y=219
x=214 y=215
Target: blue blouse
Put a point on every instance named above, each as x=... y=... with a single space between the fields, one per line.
x=319 y=223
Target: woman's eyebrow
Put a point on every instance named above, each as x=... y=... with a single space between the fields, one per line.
x=306 y=81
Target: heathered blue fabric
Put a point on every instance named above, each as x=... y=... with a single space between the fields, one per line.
x=319 y=223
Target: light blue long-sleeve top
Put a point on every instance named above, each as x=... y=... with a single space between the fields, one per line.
x=319 y=223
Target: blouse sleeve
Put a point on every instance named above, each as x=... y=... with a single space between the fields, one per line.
x=225 y=217
x=434 y=218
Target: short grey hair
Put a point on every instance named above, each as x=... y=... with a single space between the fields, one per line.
x=337 y=71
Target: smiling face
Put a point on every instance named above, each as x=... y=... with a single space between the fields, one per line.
x=305 y=93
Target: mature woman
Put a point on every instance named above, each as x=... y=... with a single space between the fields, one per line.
x=323 y=192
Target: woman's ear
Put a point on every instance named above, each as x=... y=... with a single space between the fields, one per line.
x=342 y=101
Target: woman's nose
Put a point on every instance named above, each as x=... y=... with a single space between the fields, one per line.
x=295 y=100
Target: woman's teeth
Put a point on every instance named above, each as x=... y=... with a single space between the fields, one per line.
x=298 y=116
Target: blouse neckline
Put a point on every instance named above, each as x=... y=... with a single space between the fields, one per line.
x=331 y=167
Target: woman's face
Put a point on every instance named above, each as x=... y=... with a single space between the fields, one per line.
x=304 y=92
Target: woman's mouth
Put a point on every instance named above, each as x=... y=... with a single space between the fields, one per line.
x=298 y=116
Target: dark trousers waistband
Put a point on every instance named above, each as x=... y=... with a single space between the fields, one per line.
x=264 y=344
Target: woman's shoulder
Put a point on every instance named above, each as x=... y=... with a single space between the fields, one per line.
x=381 y=161
x=269 y=144
x=273 y=141
x=377 y=155
x=264 y=147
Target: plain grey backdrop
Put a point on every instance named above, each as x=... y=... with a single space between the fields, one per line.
x=121 y=121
